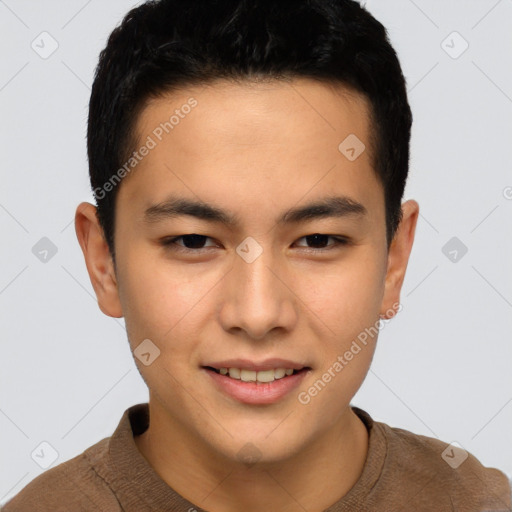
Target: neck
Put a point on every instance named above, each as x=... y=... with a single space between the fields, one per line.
x=314 y=479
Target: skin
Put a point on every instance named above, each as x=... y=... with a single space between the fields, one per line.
x=255 y=149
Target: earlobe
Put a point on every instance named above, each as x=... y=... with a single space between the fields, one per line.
x=97 y=259
x=398 y=258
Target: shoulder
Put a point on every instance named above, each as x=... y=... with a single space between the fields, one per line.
x=444 y=469
x=71 y=485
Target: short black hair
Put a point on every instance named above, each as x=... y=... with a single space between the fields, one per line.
x=166 y=45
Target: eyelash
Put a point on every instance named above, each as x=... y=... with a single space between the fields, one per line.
x=170 y=243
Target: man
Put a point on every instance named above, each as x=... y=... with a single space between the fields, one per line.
x=248 y=161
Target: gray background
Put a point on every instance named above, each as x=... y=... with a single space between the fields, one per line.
x=442 y=366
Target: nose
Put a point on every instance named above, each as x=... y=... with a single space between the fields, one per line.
x=258 y=298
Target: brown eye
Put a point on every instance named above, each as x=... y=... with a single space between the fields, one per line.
x=191 y=242
x=319 y=239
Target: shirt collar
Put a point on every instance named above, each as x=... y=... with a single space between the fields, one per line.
x=139 y=488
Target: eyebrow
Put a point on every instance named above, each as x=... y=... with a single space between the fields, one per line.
x=328 y=207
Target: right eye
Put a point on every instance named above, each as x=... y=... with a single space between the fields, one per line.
x=191 y=243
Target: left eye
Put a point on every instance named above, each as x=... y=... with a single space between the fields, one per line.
x=194 y=243
x=319 y=239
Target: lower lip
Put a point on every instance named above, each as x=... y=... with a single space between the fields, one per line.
x=257 y=393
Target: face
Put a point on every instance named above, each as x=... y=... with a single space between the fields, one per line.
x=256 y=279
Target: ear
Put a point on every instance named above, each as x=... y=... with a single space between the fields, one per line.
x=398 y=257
x=97 y=259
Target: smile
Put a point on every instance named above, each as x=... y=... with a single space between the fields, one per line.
x=263 y=376
x=256 y=386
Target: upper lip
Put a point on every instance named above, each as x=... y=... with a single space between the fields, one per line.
x=246 y=364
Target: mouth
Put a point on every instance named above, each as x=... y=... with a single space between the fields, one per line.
x=265 y=376
x=252 y=382
x=256 y=384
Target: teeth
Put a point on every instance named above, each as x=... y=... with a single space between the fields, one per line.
x=279 y=373
x=265 y=376
x=247 y=375
x=234 y=373
x=253 y=376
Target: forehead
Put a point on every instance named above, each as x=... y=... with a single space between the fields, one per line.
x=261 y=143
x=244 y=109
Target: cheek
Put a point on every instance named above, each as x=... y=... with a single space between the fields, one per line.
x=347 y=302
x=347 y=298
x=158 y=298
x=149 y=294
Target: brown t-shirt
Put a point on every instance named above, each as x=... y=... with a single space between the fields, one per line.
x=403 y=472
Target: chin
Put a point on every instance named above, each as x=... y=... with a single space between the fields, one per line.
x=262 y=448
